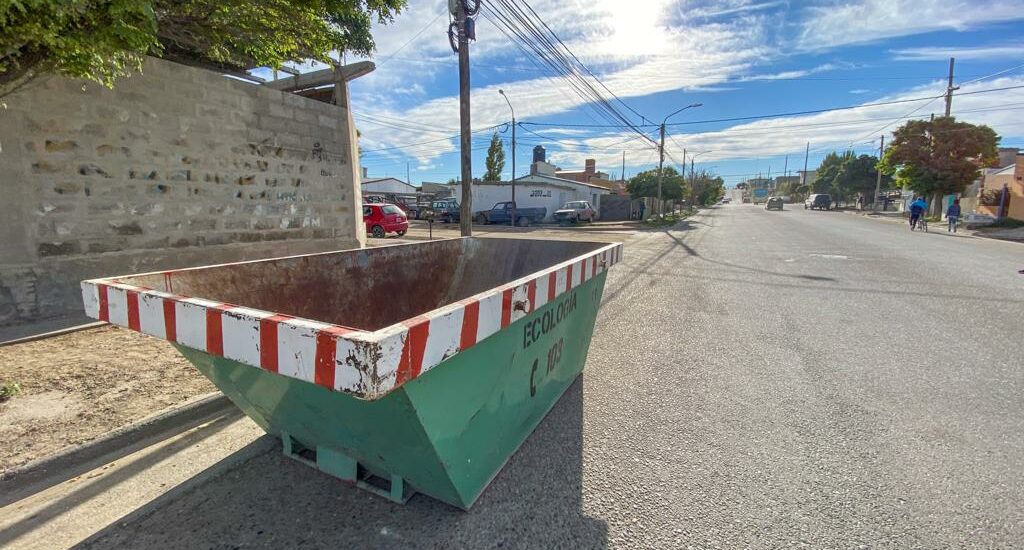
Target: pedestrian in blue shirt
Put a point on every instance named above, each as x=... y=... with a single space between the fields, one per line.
x=917 y=209
x=953 y=215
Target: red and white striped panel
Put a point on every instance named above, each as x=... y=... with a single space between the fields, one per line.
x=365 y=364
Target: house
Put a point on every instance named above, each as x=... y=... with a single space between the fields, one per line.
x=991 y=194
x=589 y=174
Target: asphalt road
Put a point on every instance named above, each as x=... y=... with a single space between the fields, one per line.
x=756 y=379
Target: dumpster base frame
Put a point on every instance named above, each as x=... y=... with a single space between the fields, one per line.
x=341 y=466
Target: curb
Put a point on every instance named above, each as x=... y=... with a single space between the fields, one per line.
x=22 y=481
x=53 y=333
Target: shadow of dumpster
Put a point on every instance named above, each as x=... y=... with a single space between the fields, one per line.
x=272 y=501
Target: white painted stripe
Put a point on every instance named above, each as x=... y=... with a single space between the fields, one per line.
x=117 y=306
x=442 y=338
x=560 y=276
x=190 y=319
x=490 y=316
x=241 y=333
x=296 y=348
x=520 y=294
x=541 y=295
x=577 y=274
x=151 y=315
x=347 y=377
x=91 y=299
x=390 y=349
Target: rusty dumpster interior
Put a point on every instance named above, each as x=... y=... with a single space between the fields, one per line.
x=369 y=288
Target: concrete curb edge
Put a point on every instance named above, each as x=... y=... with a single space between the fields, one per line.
x=70 y=462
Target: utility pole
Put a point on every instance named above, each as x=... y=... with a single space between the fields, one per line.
x=807 y=153
x=407 y=179
x=785 y=167
x=661 y=163
x=465 y=134
x=950 y=88
x=623 y=178
x=502 y=92
x=878 y=181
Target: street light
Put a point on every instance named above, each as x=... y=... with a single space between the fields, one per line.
x=502 y=92
x=661 y=149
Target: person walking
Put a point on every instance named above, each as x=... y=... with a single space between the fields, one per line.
x=953 y=215
x=642 y=208
x=917 y=209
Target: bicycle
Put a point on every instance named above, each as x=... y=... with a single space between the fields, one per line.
x=922 y=224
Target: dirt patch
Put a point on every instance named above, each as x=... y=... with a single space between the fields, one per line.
x=79 y=386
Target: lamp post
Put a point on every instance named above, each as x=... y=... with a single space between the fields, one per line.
x=661 y=148
x=502 y=92
x=693 y=173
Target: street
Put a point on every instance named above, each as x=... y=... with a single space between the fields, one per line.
x=756 y=379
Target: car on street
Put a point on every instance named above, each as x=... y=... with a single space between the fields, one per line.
x=575 y=212
x=820 y=201
x=502 y=213
x=381 y=219
x=773 y=203
x=446 y=211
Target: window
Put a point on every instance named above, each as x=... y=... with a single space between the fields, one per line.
x=367 y=211
x=391 y=209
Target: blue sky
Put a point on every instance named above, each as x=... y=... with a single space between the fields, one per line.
x=739 y=58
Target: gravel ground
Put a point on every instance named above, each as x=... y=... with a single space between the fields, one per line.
x=756 y=380
x=81 y=385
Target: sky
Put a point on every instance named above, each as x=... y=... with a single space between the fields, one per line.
x=757 y=61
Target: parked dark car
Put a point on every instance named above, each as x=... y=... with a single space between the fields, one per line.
x=773 y=203
x=501 y=213
x=446 y=211
x=820 y=201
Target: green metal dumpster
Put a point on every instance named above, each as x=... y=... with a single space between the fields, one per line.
x=408 y=368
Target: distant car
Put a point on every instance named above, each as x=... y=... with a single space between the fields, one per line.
x=773 y=203
x=821 y=201
x=726 y=200
x=381 y=219
x=575 y=212
x=446 y=211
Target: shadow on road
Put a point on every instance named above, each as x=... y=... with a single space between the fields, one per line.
x=274 y=502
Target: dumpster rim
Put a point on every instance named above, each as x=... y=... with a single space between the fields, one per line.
x=366 y=364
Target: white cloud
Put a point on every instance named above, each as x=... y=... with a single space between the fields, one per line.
x=825 y=131
x=870 y=20
x=1004 y=51
x=787 y=75
x=859 y=91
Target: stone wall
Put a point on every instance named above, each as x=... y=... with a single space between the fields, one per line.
x=173 y=168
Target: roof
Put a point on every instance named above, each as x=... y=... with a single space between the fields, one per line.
x=554 y=180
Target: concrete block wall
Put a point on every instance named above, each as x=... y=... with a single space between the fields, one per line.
x=175 y=167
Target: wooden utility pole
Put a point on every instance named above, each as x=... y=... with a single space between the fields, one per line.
x=950 y=88
x=878 y=181
x=807 y=153
x=465 y=134
x=661 y=163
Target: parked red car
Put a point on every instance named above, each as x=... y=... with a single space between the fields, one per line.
x=381 y=219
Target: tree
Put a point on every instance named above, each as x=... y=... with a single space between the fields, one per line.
x=645 y=184
x=101 y=40
x=859 y=176
x=939 y=157
x=495 y=159
x=705 y=188
x=829 y=171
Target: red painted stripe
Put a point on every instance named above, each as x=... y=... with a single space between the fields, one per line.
x=170 y=321
x=531 y=294
x=268 y=341
x=104 y=303
x=470 y=323
x=132 y=298
x=552 y=281
x=506 y=307
x=583 y=271
x=593 y=266
x=326 y=351
x=568 y=278
x=214 y=332
x=411 y=363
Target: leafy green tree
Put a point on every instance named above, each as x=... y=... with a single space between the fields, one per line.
x=939 y=157
x=829 y=172
x=495 y=161
x=859 y=176
x=704 y=188
x=645 y=184
x=101 y=40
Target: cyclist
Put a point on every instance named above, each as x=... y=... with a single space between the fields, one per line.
x=917 y=209
x=952 y=215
